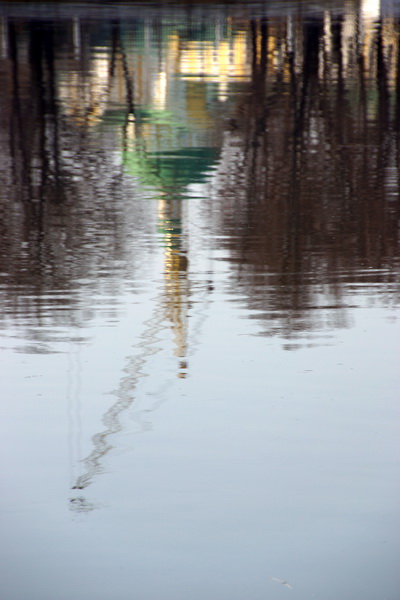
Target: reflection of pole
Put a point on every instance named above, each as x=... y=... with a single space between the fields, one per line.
x=76 y=38
x=117 y=45
x=3 y=37
x=175 y=274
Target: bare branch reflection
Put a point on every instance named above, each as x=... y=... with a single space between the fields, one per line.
x=308 y=180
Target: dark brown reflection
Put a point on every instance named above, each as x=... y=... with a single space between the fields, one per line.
x=308 y=184
x=298 y=106
x=66 y=209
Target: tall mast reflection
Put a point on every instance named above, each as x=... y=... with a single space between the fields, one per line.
x=170 y=310
x=175 y=275
x=170 y=306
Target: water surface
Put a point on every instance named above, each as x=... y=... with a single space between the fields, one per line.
x=199 y=288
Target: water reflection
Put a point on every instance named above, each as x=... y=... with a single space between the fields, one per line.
x=307 y=184
x=167 y=156
x=294 y=122
x=291 y=119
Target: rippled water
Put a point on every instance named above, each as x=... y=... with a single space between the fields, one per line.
x=199 y=288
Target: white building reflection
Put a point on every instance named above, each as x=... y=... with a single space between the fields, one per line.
x=177 y=75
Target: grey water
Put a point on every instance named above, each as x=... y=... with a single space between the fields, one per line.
x=200 y=300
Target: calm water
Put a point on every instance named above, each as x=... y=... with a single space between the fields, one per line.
x=200 y=291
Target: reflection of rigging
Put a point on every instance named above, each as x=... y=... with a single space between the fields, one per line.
x=171 y=307
x=74 y=408
x=134 y=371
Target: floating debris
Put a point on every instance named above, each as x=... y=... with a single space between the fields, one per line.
x=81 y=505
x=285 y=583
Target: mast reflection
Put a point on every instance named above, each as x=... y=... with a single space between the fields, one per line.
x=176 y=276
